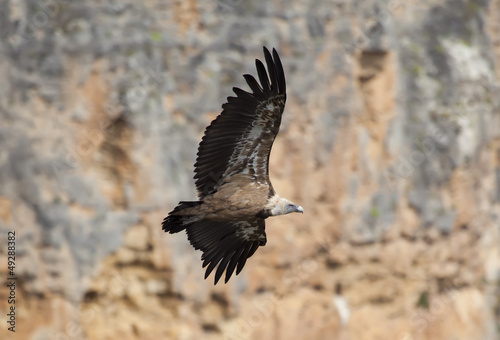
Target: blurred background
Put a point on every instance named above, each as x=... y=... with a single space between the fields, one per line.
x=390 y=141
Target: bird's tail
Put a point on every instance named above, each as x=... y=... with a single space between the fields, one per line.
x=180 y=218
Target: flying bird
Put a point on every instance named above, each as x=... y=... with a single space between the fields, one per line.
x=235 y=194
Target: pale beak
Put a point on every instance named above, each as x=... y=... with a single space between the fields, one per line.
x=299 y=209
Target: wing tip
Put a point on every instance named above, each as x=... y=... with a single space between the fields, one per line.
x=278 y=68
x=266 y=50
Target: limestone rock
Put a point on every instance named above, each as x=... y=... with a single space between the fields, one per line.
x=390 y=141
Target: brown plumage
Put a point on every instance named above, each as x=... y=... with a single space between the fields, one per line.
x=232 y=175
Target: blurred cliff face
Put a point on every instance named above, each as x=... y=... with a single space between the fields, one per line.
x=390 y=141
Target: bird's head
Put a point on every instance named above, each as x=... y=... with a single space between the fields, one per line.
x=284 y=207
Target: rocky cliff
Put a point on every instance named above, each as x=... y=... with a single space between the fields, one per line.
x=390 y=141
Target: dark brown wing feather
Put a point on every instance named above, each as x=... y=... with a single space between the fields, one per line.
x=226 y=245
x=239 y=140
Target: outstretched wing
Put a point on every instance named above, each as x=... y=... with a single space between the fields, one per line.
x=226 y=245
x=239 y=140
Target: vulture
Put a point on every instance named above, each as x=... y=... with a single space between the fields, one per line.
x=235 y=195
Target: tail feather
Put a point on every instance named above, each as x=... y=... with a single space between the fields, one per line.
x=175 y=221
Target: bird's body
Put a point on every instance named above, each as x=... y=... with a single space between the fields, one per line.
x=232 y=176
x=238 y=198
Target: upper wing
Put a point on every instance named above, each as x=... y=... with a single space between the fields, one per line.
x=239 y=140
x=226 y=244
